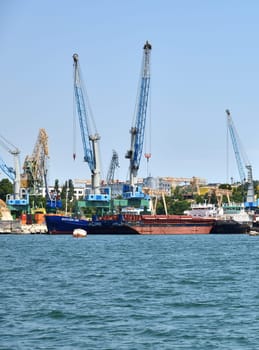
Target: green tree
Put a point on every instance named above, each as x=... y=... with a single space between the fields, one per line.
x=177 y=193
x=256 y=186
x=238 y=194
x=210 y=197
x=225 y=187
x=178 y=207
x=6 y=187
x=160 y=208
x=56 y=187
x=199 y=199
x=173 y=206
x=70 y=190
x=67 y=195
x=64 y=191
x=37 y=202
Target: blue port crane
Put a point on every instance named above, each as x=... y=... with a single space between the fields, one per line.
x=241 y=159
x=137 y=131
x=90 y=139
x=12 y=173
x=8 y=170
x=16 y=198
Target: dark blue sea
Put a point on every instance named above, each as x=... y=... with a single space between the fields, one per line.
x=129 y=292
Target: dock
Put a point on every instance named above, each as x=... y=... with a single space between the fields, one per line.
x=16 y=227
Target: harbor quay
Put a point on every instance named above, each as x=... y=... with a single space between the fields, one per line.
x=16 y=227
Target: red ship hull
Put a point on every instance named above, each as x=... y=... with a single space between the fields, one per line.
x=173 y=230
x=171 y=225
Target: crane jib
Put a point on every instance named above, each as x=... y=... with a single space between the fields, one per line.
x=89 y=141
x=138 y=130
x=242 y=161
x=88 y=153
x=141 y=121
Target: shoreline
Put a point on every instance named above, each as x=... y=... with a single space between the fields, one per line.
x=16 y=227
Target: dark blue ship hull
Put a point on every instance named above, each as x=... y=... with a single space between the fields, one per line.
x=59 y=224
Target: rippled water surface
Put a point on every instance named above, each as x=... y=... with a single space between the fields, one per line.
x=129 y=292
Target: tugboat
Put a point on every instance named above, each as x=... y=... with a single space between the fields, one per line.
x=230 y=218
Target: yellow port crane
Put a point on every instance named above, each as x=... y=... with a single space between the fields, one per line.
x=35 y=165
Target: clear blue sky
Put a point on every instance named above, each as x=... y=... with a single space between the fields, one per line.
x=205 y=58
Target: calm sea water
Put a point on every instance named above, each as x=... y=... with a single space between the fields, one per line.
x=129 y=292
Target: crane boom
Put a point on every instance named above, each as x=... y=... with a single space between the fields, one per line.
x=9 y=171
x=138 y=130
x=12 y=173
x=90 y=141
x=241 y=159
x=113 y=165
x=35 y=169
x=19 y=198
x=35 y=165
x=236 y=146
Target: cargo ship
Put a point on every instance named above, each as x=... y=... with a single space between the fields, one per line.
x=130 y=224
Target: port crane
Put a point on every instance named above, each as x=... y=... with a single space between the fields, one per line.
x=242 y=160
x=18 y=197
x=9 y=171
x=35 y=169
x=137 y=131
x=35 y=165
x=90 y=140
x=113 y=165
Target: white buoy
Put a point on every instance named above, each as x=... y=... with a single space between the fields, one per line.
x=79 y=233
x=253 y=233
